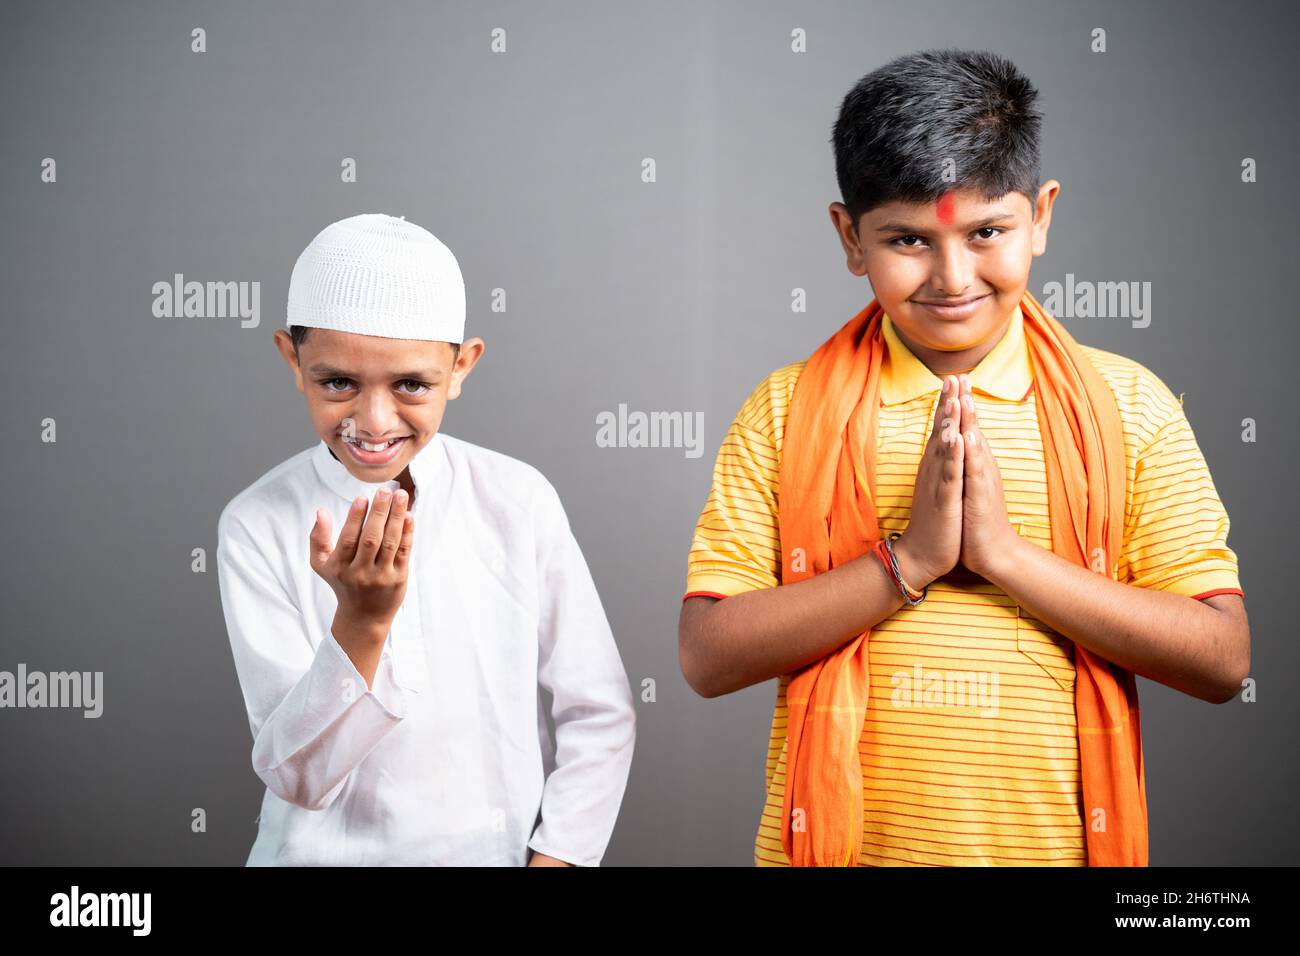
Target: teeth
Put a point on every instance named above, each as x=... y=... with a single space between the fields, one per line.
x=369 y=447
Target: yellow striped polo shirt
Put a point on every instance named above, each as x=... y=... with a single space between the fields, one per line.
x=969 y=748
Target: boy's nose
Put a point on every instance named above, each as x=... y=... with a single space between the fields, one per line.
x=376 y=416
x=953 y=273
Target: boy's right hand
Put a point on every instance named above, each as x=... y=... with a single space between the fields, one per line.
x=367 y=567
x=932 y=542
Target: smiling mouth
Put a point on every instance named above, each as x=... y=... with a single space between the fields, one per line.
x=954 y=310
x=952 y=303
x=373 y=446
x=375 y=453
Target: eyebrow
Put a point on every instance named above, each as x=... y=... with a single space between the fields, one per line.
x=897 y=226
x=332 y=372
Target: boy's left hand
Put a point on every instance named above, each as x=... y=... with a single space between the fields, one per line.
x=986 y=532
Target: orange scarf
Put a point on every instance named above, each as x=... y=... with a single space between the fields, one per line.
x=829 y=515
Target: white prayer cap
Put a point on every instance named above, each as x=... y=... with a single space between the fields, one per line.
x=377 y=275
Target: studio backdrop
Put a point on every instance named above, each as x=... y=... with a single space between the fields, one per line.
x=637 y=196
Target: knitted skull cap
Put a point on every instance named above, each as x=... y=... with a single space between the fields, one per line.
x=374 y=274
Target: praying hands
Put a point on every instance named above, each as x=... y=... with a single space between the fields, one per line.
x=959 y=512
x=986 y=531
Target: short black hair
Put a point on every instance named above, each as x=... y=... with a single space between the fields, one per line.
x=901 y=123
x=299 y=335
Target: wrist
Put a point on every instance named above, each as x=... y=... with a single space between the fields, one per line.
x=914 y=572
x=1007 y=559
x=349 y=628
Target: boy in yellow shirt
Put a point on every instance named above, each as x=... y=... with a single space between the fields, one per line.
x=954 y=534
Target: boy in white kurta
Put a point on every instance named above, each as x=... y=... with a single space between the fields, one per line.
x=392 y=675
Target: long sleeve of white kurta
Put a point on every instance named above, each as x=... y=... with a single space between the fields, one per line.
x=446 y=759
x=312 y=716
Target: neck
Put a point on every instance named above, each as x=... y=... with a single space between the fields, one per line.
x=408 y=485
x=404 y=480
x=943 y=363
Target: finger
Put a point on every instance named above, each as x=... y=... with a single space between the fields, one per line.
x=954 y=453
x=972 y=408
x=404 y=546
x=973 y=448
x=319 y=539
x=970 y=419
x=372 y=533
x=965 y=399
x=981 y=440
x=941 y=407
x=346 y=548
x=967 y=403
x=393 y=529
x=950 y=424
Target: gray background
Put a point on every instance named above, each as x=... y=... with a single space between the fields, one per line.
x=671 y=296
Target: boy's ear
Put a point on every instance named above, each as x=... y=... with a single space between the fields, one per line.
x=846 y=229
x=1047 y=194
x=284 y=343
x=471 y=350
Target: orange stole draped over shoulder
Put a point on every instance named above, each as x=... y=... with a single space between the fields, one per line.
x=828 y=514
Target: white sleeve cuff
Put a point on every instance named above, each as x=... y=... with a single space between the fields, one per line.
x=327 y=725
x=387 y=691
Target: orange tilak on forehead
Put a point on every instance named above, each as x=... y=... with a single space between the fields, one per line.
x=945 y=207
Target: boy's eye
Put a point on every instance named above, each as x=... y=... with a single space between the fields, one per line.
x=902 y=243
x=407 y=387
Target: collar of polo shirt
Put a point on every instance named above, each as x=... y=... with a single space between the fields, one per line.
x=1004 y=373
x=427 y=469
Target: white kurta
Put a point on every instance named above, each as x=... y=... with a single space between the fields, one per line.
x=447 y=760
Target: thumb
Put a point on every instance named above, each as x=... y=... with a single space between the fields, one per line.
x=320 y=539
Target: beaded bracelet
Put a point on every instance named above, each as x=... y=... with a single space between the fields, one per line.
x=884 y=550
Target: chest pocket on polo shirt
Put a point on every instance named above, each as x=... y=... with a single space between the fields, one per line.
x=1053 y=653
